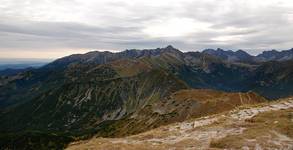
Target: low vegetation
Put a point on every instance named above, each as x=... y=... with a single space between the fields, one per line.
x=264 y=130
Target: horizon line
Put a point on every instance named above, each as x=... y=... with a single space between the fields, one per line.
x=117 y=51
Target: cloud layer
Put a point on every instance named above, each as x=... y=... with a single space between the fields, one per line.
x=60 y=27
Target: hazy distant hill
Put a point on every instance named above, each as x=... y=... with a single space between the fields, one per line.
x=17 y=63
x=11 y=72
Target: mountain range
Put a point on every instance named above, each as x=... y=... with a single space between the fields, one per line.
x=117 y=94
x=242 y=56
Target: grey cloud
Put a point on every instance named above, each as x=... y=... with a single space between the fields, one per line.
x=67 y=34
x=119 y=25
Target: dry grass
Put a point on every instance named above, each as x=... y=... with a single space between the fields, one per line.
x=265 y=129
x=269 y=129
x=127 y=67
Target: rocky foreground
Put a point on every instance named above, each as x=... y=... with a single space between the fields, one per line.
x=261 y=126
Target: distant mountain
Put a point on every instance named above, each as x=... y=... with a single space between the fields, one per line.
x=276 y=55
x=97 y=57
x=10 y=72
x=20 y=66
x=16 y=65
x=243 y=57
x=116 y=94
x=231 y=56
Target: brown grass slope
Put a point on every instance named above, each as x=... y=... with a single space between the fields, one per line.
x=258 y=126
x=179 y=106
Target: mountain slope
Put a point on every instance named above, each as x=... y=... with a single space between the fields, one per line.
x=273 y=79
x=81 y=103
x=249 y=127
x=179 y=106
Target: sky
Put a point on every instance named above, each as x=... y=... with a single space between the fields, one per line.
x=56 y=28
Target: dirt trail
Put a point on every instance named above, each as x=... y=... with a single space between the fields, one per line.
x=194 y=134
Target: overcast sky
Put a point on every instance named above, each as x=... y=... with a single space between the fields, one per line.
x=55 y=28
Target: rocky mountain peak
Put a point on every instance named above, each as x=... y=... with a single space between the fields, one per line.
x=169 y=47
